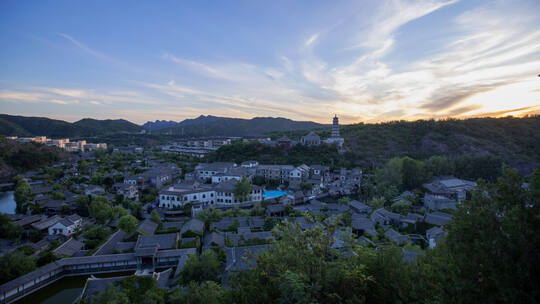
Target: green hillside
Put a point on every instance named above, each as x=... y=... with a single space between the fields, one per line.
x=515 y=140
x=33 y=126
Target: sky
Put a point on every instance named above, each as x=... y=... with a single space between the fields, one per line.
x=366 y=61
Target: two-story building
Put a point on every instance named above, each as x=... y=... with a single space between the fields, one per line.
x=205 y=171
x=66 y=226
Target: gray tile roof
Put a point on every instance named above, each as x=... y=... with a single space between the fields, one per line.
x=249 y=221
x=147 y=227
x=69 y=248
x=438 y=218
x=434 y=233
x=359 y=207
x=395 y=236
x=243 y=258
x=110 y=245
x=238 y=238
x=162 y=241
x=192 y=225
x=213 y=239
x=124 y=246
x=167 y=225
x=46 y=223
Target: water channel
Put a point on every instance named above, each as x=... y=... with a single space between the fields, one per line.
x=65 y=290
x=7 y=202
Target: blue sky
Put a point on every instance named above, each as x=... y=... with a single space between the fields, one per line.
x=366 y=61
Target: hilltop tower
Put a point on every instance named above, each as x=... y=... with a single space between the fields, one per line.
x=334 y=137
x=335 y=127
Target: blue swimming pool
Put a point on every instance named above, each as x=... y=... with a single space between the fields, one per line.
x=273 y=194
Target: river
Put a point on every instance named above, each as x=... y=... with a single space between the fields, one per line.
x=7 y=202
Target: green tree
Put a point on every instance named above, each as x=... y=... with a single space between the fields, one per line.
x=111 y=295
x=413 y=173
x=128 y=223
x=84 y=167
x=366 y=190
x=8 y=229
x=208 y=292
x=259 y=180
x=242 y=189
x=306 y=186
x=23 y=195
x=344 y=200
x=207 y=267
x=491 y=251
x=401 y=207
x=100 y=210
x=209 y=216
x=390 y=175
x=439 y=165
x=95 y=235
x=97 y=179
x=58 y=196
x=135 y=207
x=118 y=212
x=302 y=267
x=155 y=217
x=14 y=265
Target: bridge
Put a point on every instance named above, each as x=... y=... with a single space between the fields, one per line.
x=75 y=266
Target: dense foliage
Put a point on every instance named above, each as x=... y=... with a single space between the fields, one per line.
x=128 y=223
x=515 y=140
x=205 y=267
x=242 y=189
x=296 y=155
x=22 y=195
x=132 y=290
x=15 y=264
x=16 y=157
x=404 y=173
x=8 y=229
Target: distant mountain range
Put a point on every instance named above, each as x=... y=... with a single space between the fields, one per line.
x=34 y=126
x=222 y=126
x=11 y=125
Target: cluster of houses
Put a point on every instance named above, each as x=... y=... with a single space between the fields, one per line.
x=214 y=184
x=158 y=246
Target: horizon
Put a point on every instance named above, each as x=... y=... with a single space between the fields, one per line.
x=367 y=62
x=527 y=115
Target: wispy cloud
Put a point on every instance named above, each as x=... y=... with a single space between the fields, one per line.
x=356 y=63
x=484 y=57
x=85 y=48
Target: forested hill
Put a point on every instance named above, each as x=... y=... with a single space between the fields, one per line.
x=224 y=126
x=516 y=140
x=33 y=126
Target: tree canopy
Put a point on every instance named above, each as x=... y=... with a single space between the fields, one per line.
x=242 y=189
